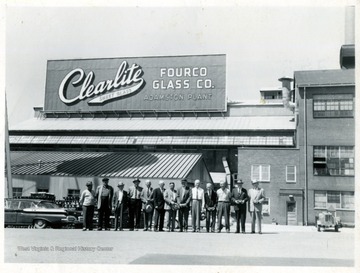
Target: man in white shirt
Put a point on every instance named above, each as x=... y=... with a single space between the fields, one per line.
x=197 y=202
x=224 y=198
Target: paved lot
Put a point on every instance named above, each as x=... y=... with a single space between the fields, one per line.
x=277 y=246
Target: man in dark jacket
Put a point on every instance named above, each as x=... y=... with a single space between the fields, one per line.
x=210 y=207
x=239 y=198
x=183 y=198
x=159 y=201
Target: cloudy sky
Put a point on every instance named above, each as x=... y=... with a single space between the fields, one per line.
x=261 y=43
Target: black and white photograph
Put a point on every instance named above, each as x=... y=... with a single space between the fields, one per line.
x=200 y=136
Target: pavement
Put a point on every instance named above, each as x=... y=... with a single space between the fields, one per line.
x=278 y=246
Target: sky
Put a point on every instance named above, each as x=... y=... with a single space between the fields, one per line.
x=261 y=43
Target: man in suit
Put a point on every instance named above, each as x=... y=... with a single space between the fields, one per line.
x=135 y=205
x=146 y=203
x=239 y=198
x=183 y=198
x=223 y=205
x=170 y=207
x=257 y=196
x=210 y=207
x=104 y=194
x=120 y=203
x=197 y=199
x=159 y=201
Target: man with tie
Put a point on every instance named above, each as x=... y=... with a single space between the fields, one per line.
x=159 y=201
x=224 y=198
x=147 y=205
x=257 y=197
x=183 y=198
x=197 y=199
x=170 y=207
x=135 y=205
x=104 y=195
x=239 y=198
x=210 y=207
x=120 y=202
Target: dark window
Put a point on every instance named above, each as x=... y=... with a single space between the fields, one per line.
x=333 y=160
x=17 y=192
x=73 y=193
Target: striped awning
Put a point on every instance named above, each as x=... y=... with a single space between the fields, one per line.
x=155 y=140
x=109 y=164
x=247 y=123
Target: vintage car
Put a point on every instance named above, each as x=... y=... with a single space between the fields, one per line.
x=328 y=220
x=35 y=213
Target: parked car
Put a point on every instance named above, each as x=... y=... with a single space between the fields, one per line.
x=35 y=213
x=327 y=220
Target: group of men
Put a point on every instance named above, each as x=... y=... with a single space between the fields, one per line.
x=161 y=205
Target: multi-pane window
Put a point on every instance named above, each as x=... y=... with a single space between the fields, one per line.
x=73 y=193
x=336 y=199
x=290 y=173
x=333 y=160
x=17 y=192
x=333 y=105
x=260 y=172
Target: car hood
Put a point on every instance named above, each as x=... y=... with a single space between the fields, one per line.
x=45 y=210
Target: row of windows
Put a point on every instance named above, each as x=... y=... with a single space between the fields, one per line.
x=333 y=160
x=334 y=105
x=17 y=192
x=336 y=199
x=262 y=173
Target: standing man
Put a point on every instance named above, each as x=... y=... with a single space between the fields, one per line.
x=159 y=201
x=120 y=203
x=197 y=197
x=257 y=196
x=87 y=200
x=239 y=199
x=183 y=198
x=147 y=205
x=135 y=205
x=104 y=195
x=224 y=198
x=170 y=207
x=210 y=207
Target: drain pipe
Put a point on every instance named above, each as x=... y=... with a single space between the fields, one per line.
x=305 y=159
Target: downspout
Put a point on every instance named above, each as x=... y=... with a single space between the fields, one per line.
x=305 y=159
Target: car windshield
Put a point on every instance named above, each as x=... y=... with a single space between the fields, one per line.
x=47 y=205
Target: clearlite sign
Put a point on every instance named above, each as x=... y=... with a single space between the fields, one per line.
x=151 y=83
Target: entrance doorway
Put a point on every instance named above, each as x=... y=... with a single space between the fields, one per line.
x=291 y=215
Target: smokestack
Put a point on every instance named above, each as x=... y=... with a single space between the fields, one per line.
x=347 y=51
x=350 y=25
x=286 y=92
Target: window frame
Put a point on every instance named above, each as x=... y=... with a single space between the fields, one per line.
x=16 y=191
x=332 y=106
x=287 y=178
x=73 y=195
x=341 y=194
x=260 y=174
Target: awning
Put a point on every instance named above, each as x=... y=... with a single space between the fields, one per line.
x=214 y=124
x=109 y=164
x=155 y=140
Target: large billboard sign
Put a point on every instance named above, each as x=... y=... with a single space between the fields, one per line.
x=181 y=83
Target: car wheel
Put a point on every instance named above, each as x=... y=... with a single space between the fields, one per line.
x=40 y=224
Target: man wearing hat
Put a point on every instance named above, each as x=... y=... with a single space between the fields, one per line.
x=257 y=196
x=147 y=205
x=87 y=200
x=104 y=195
x=120 y=203
x=239 y=198
x=183 y=198
x=210 y=207
x=135 y=204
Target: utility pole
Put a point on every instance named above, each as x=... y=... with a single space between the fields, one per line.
x=7 y=154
